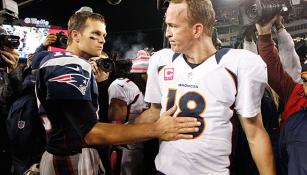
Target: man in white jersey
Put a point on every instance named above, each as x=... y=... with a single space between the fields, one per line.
x=205 y=84
x=126 y=102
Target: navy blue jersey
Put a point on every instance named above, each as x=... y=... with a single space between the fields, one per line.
x=67 y=90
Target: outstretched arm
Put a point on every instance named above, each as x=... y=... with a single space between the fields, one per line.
x=150 y=115
x=278 y=79
x=165 y=128
x=288 y=56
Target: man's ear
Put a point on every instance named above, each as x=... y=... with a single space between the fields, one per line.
x=75 y=35
x=198 y=30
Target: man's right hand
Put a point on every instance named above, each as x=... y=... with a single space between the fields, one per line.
x=174 y=128
x=265 y=28
x=100 y=75
x=50 y=39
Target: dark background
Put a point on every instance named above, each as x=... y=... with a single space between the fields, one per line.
x=131 y=25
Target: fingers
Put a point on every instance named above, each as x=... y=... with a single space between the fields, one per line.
x=171 y=111
x=188 y=124
x=10 y=57
x=51 y=38
x=188 y=130
x=185 y=119
x=94 y=67
x=184 y=136
x=7 y=59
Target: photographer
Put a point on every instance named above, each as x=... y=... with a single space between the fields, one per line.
x=102 y=73
x=293 y=142
x=102 y=77
x=10 y=87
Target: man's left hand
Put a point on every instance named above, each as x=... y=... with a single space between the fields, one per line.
x=10 y=56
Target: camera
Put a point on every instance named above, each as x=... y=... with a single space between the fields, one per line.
x=61 y=40
x=107 y=65
x=252 y=11
x=9 y=41
x=262 y=11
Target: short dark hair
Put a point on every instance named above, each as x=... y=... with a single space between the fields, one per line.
x=200 y=11
x=78 y=20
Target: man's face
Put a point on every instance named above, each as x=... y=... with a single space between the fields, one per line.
x=92 y=38
x=178 y=31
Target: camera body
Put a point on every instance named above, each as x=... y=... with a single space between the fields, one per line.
x=9 y=41
x=262 y=11
x=252 y=11
x=61 y=40
x=107 y=65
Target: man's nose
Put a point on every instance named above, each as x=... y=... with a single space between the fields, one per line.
x=168 y=33
x=101 y=40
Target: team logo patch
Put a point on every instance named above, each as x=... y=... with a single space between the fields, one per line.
x=21 y=124
x=168 y=73
x=78 y=81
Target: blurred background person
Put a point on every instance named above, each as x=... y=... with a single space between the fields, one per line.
x=10 y=89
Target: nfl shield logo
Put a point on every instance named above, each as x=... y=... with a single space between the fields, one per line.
x=21 y=124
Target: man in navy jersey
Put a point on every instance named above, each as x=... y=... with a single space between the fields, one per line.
x=67 y=90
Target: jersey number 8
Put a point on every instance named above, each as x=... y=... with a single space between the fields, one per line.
x=191 y=104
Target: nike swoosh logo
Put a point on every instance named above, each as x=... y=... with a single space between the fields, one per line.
x=121 y=85
x=74 y=68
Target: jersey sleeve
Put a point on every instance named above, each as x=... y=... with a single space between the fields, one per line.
x=81 y=114
x=153 y=93
x=66 y=78
x=252 y=79
x=118 y=91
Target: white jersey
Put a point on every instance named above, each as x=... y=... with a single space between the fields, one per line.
x=207 y=92
x=127 y=91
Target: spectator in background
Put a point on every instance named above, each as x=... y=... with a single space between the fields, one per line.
x=10 y=88
x=286 y=50
x=25 y=130
x=102 y=79
x=293 y=140
x=27 y=140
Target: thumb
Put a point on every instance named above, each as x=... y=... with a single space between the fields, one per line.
x=171 y=111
